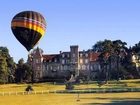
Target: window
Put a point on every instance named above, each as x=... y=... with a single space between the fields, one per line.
x=57 y=67
x=81 y=61
x=67 y=61
x=55 y=60
x=51 y=67
x=83 y=67
x=91 y=67
x=43 y=67
x=47 y=67
x=73 y=61
x=38 y=68
x=61 y=67
x=73 y=55
x=63 y=61
x=65 y=67
x=38 y=75
x=99 y=67
x=80 y=66
x=87 y=67
x=37 y=61
x=86 y=60
x=63 y=55
x=81 y=54
x=86 y=54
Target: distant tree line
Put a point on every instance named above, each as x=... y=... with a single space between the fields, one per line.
x=115 y=63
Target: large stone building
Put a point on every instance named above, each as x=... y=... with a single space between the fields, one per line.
x=62 y=65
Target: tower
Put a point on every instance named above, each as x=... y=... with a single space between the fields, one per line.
x=74 y=59
x=36 y=63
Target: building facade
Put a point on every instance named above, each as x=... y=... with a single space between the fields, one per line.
x=61 y=66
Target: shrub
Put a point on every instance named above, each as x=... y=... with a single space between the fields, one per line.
x=29 y=88
x=69 y=86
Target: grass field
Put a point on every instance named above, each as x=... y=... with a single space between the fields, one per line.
x=71 y=99
x=129 y=98
x=51 y=86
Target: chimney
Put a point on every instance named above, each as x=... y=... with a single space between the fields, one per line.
x=60 y=52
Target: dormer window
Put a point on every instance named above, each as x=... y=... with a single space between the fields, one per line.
x=63 y=55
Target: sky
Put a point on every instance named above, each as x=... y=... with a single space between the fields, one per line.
x=73 y=22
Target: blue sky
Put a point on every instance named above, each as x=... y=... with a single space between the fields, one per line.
x=73 y=22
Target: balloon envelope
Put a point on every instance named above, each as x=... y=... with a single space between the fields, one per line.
x=28 y=27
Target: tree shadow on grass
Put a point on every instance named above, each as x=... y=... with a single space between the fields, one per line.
x=112 y=98
x=133 y=102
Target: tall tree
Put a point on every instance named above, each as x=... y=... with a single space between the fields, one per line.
x=9 y=63
x=120 y=50
x=111 y=54
x=105 y=48
x=135 y=50
x=23 y=72
x=3 y=70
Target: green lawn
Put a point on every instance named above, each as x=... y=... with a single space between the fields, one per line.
x=112 y=84
x=127 y=98
x=71 y=99
x=51 y=86
x=36 y=87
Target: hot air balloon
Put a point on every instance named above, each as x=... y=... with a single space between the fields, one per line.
x=28 y=28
